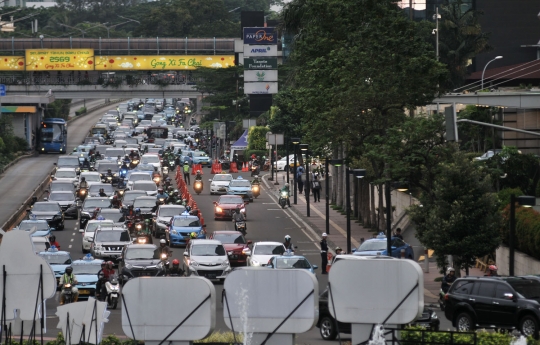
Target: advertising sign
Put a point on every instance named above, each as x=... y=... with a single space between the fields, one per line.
x=11 y=63
x=260 y=75
x=260 y=63
x=260 y=88
x=162 y=62
x=260 y=50
x=60 y=60
x=258 y=35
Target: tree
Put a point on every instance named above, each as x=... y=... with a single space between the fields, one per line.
x=462 y=219
x=257 y=138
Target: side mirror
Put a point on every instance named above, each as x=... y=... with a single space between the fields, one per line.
x=90 y=240
x=315 y=267
x=45 y=199
x=249 y=242
x=153 y=214
x=186 y=254
x=509 y=296
x=81 y=231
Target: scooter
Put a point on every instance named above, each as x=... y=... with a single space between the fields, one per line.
x=283 y=197
x=256 y=190
x=240 y=226
x=82 y=193
x=113 y=291
x=254 y=170
x=198 y=186
x=68 y=293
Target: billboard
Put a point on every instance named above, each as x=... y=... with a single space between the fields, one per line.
x=259 y=35
x=260 y=50
x=260 y=75
x=260 y=63
x=59 y=59
x=162 y=62
x=11 y=63
x=260 y=88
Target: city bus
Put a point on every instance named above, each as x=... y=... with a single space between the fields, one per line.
x=52 y=135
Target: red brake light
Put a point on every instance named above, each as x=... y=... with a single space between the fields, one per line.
x=446 y=298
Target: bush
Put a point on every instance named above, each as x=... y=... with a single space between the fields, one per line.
x=81 y=111
x=504 y=196
x=84 y=82
x=413 y=336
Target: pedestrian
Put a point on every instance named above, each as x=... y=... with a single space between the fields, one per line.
x=324 y=251
x=316 y=187
x=300 y=182
x=339 y=251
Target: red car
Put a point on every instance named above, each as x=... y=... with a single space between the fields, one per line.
x=225 y=206
x=235 y=244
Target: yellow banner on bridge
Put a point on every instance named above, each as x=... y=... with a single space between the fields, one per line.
x=60 y=60
x=161 y=62
x=12 y=63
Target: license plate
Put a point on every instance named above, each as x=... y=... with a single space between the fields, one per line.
x=114 y=295
x=211 y=276
x=84 y=292
x=222 y=189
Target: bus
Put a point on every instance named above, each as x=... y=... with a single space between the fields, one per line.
x=52 y=135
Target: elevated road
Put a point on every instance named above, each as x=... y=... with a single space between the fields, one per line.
x=524 y=100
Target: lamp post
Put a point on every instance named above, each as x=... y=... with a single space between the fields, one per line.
x=525 y=201
x=358 y=173
x=72 y=27
x=286 y=168
x=295 y=142
x=304 y=150
x=402 y=187
x=484 y=71
x=336 y=163
x=131 y=20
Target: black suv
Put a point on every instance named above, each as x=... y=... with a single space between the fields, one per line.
x=495 y=302
x=140 y=260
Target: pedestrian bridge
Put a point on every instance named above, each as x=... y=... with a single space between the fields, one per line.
x=522 y=100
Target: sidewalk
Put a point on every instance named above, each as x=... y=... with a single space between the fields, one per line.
x=337 y=235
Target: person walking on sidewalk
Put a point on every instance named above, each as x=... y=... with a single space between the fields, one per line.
x=316 y=187
x=324 y=253
x=299 y=173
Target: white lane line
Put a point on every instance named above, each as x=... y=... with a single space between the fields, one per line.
x=274 y=209
x=73 y=233
x=69 y=246
x=72 y=239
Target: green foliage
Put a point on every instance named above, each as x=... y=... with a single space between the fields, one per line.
x=412 y=336
x=504 y=196
x=59 y=108
x=257 y=138
x=475 y=137
x=82 y=110
x=519 y=170
x=527 y=230
x=461 y=217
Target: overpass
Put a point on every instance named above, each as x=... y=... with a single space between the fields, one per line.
x=523 y=100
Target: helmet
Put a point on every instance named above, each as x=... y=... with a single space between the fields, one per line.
x=287 y=238
x=132 y=151
x=188 y=208
x=69 y=269
x=130 y=207
x=175 y=192
x=450 y=269
x=492 y=268
x=160 y=190
x=110 y=264
x=109 y=170
x=52 y=238
x=137 y=210
x=198 y=171
x=175 y=262
x=115 y=197
x=286 y=185
x=147 y=221
x=193 y=235
x=162 y=241
x=101 y=190
x=83 y=178
x=103 y=263
x=338 y=248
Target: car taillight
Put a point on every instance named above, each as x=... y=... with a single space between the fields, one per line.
x=446 y=298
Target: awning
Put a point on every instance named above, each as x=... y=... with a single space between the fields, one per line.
x=18 y=109
x=241 y=143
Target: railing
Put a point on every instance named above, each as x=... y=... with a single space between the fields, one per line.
x=116 y=81
x=396 y=336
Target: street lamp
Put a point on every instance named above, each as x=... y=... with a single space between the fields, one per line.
x=131 y=20
x=41 y=39
x=402 y=187
x=336 y=163
x=525 y=201
x=81 y=30
x=484 y=71
x=358 y=173
x=304 y=150
x=295 y=142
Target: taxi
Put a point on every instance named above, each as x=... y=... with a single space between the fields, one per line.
x=241 y=187
x=181 y=228
x=86 y=273
x=40 y=225
x=377 y=246
x=58 y=260
x=287 y=261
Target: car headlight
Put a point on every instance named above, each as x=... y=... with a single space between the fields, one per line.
x=193 y=263
x=255 y=263
x=246 y=251
x=57 y=216
x=128 y=266
x=225 y=263
x=219 y=209
x=174 y=232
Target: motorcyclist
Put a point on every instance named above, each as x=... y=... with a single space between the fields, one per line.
x=492 y=271
x=52 y=242
x=286 y=190
x=124 y=167
x=83 y=183
x=107 y=271
x=175 y=197
x=198 y=176
x=133 y=155
x=126 y=160
x=448 y=279
x=164 y=248
x=115 y=202
x=162 y=195
x=288 y=243
x=175 y=270
x=238 y=217
x=100 y=284
x=256 y=180
x=86 y=164
x=102 y=192
x=109 y=174
x=178 y=158
x=68 y=278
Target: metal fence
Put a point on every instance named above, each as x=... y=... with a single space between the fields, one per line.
x=112 y=81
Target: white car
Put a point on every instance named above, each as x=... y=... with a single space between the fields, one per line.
x=148 y=186
x=90 y=176
x=220 y=183
x=206 y=258
x=65 y=174
x=152 y=159
x=263 y=251
x=138 y=176
x=89 y=230
x=41 y=244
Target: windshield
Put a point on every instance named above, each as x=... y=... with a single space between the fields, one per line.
x=292 y=263
x=66 y=174
x=372 y=246
x=142 y=254
x=145 y=186
x=91 y=227
x=269 y=249
x=103 y=167
x=140 y=177
x=112 y=236
x=144 y=167
x=91 y=177
x=132 y=196
x=62 y=186
x=114 y=216
x=53 y=133
x=106 y=187
x=144 y=202
x=151 y=158
x=231 y=200
x=57 y=259
x=62 y=197
x=114 y=153
x=99 y=130
x=243 y=183
x=186 y=222
x=68 y=162
x=199 y=154
x=46 y=207
x=28 y=225
x=222 y=178
x=230 y=238
x=86 y=269
x=171 y=211
x=208 y=250
x=527 y=288
x=93 y=203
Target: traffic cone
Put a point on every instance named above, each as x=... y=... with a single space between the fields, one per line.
x=233 y=168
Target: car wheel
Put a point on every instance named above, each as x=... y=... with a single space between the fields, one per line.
x=528 y=325
x=327 y=328
x=464 y=322
x=84 y=250
x=61 y=227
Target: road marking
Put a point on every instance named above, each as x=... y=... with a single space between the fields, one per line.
x=72 y=239
x=69 y=246
x=274 y=209
x=73 y=234
x=268 y=203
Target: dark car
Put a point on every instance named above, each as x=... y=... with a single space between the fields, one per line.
x=327 y=324
x=88 y=207
x=494 y=302
x=235 y=244
x=145 y=204
x=140 y=260
x=50 y=211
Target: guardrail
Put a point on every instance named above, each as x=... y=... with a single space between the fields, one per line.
x=113 y=81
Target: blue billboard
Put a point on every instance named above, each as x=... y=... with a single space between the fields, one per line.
x=264 y=36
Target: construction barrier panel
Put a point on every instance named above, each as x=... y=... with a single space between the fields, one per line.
x=233 y=168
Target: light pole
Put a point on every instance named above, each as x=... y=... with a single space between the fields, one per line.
x=287 y=167
x=525 y=201
x=295 y=142
x=336 y=163
x=358 y=173
x=131 y=20
x=402 y=187
x=41 y=39
x=304 y=150
x=484 y=71
x=72 y=27
x=437 y=16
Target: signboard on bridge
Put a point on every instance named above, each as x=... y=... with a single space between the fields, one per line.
x=59 y=59
x=11 y=63
x=161 y=62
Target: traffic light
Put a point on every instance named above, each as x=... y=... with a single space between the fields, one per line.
x=450 y=124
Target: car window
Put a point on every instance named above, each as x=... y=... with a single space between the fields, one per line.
x=501 y=290
x=527 y=288
x=484 y=289
x=397 y=242
x=462 y=287
x=269 y=249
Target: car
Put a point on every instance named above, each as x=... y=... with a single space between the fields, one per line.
x=138 y=176
x=50 y=211
x=152 y=159
x=201 y=157
x=113 y=214
x=129 y=197
x=93 y=189
x=90 y=176
x=219 y=184
x=89 y=231
x=206 y=258
x=88 y=207
x=86 y=273
x=58 y=260
x=140 y=260
x=263 y=251
x=149 y=187
x=41 y=227
x=241 y=187
x=145 y=204
x=68 y=162
x=488 y=155
x=378 y=245
x=67 y=202
x=291 y=261
x=65 y=174
x=61 y=186
x=163 y=217
x=193 y=121
x=108 y=243
x=235 y=244
x=40 y=243
x=494 y=302
x=181 y=227
x=282 y=164
x=226 y=206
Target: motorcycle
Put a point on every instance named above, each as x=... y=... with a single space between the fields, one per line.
x=240 y=226
x=256 y=190
x=133 y=164
x=113 y=291
x=266 y=166
x=283 y=199
x=254 y=169
x=143 y=233
x=121 y=184
x=68 y=293
x=157 y=179
x=162 y=201
x=82 y=193
x=198 y=186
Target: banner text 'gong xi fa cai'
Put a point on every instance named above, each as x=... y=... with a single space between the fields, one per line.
x=162 y=62
x=59 y=60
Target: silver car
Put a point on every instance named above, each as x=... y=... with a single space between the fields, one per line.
x=206 y=258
